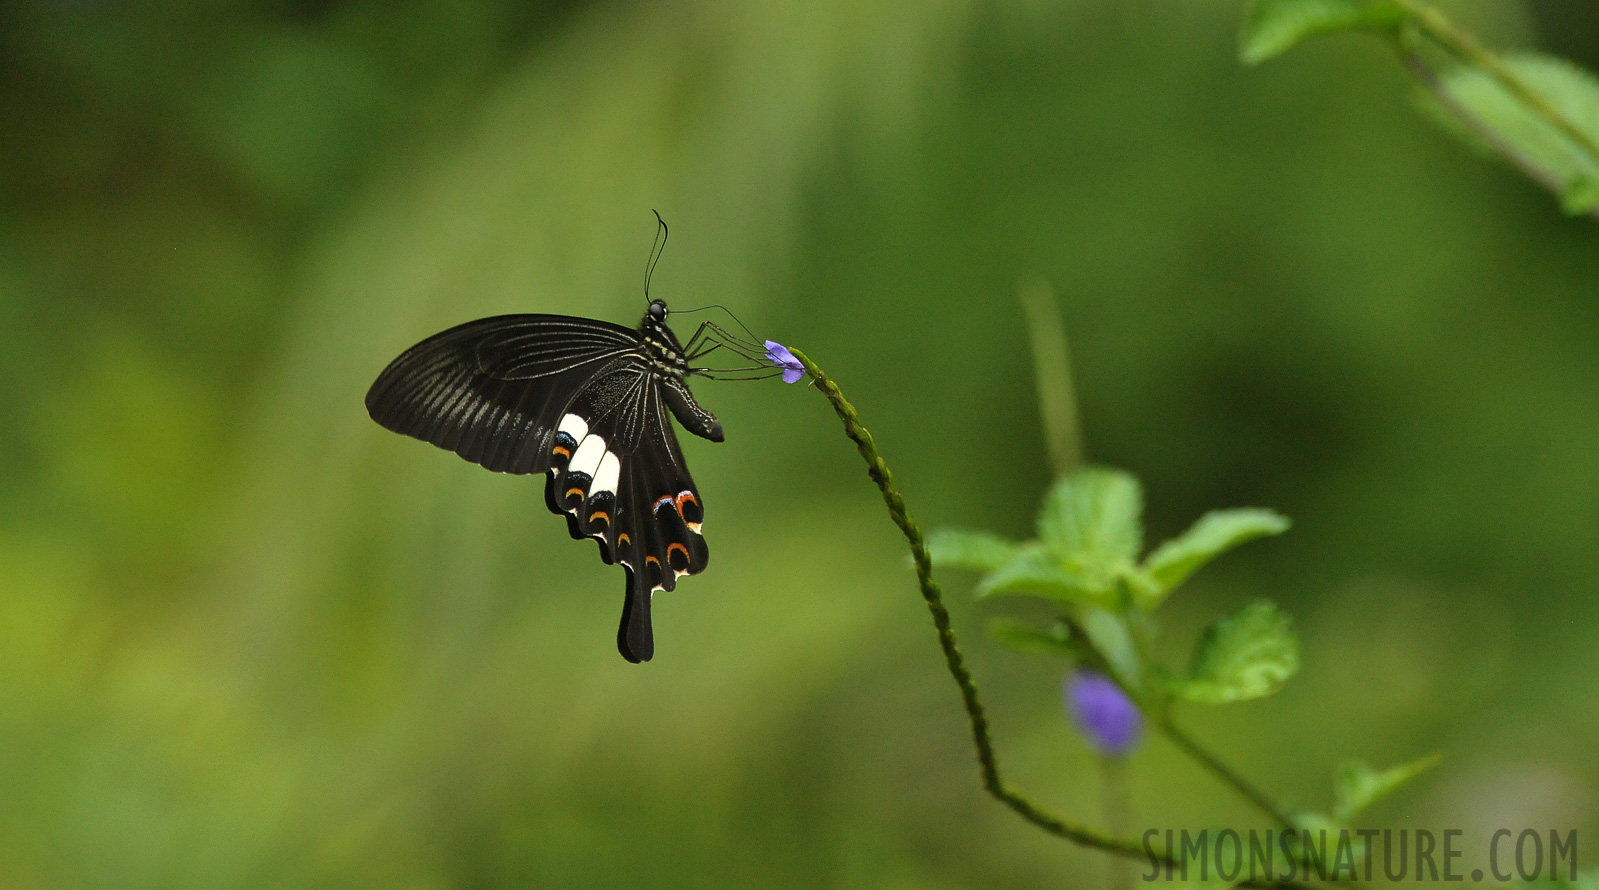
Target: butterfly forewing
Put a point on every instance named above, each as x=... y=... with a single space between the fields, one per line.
x=582 y=400
x=493 y=390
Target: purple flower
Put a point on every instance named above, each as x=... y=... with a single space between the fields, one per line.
x=779 y=356
x=1103 y=712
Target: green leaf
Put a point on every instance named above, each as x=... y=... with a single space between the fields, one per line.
x=1249 y=654
x=1107 y=633
x=1570 y=90
x=1032 y=572
x=1091 y=521
x=1272 y=27
x=1020 y=636
x=1214 y=534
x=976 y=551
x=1358 y=786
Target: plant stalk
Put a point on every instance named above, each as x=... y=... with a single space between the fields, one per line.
x=987 y=760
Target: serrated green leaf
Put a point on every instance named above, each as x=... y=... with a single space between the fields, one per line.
x=1272 y=27
x=1358 y=786
x=1214 y=534
x=976 y=551
x=1567 y=88
x=1033 y=571
x=1020 y=636
x=1249 y=654
x=1092 y=518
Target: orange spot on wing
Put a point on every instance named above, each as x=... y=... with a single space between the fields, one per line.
x=677 y=502
x=623 y=539
x=576 y=491
x=561 y=451
x=673 y=548
x=600 y=515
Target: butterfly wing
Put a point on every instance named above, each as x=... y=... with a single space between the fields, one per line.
x=619 y=477
x=576 y=398
x=494 y=390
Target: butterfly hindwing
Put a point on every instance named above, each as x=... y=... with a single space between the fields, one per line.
x=640 y=504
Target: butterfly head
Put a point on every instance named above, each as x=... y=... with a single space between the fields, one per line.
x=660 y=344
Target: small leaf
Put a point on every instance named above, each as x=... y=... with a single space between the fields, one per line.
x=1020 y=636
x=1214 y=534
x=1272 y=27
x=977 y=551
x=1032 y=572
x=1092 y=517
x=1249 y=654
x=1358 y=786
x=1107 y=633
x=1572 y=91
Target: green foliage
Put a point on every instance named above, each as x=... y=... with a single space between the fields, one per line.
x=1037 y=571
x=1091 y=520
x=1113 y=643
x=1214 y=534
x=1538 y=112
x=1086 y=561
x=1568 y=89
x=1272 y=27
x=974 y=551
x=1357 y=786
x=1089 y=537
x=1249 y=654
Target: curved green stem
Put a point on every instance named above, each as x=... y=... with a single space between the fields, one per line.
x=956 y=662
x=1225 y=773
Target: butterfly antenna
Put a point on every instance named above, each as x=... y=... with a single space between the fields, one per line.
x=656 y=249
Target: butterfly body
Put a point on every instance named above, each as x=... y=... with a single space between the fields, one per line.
x=586 y=402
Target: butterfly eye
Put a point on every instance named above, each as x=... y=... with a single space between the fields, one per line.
x=658 y=310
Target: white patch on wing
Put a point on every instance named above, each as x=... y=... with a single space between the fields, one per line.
x=587 y=458
x=606 y=476
x=574 y=426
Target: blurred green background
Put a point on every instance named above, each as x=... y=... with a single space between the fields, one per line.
x=250 y=639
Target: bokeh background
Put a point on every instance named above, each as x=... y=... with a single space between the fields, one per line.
x=250 y=639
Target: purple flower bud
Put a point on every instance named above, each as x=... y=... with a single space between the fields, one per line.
x=779 y=356
x=1103 y=712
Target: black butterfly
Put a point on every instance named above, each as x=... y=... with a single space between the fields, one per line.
x=585 y=401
